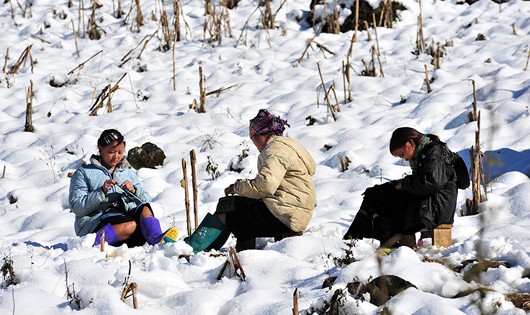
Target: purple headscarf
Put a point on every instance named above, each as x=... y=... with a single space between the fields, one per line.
x=266 y=122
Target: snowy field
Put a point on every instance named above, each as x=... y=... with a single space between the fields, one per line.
x=59 y=273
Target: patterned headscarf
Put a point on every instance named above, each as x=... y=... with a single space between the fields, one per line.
x=266 y=122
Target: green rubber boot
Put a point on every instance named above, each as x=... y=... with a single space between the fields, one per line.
x=205 y=234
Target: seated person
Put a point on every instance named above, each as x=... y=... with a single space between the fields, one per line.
x=394 y=211
x=279 y=201
x=106 y=195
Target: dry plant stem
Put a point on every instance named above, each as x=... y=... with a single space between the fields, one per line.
x=7 y=58
x=12 y=10
x=40 y=38
x=245 y=26
x=29 y=109
x=176 y=8
x=202 y=91
x=144 y=40
x=139 y=16
x=354 y=38
x=475 y=114
x=220 y=90
x=344 y=81
x=81 y=22
x=233 y=262
x=420 y=41
x=324 y=48
x=21 y=60
x=330 y=107
x=133 y=288
x=427 y=81
x=75 y=39
x=102 y=241
x=378 y=50
x=295 y=302
x=437 y=57
x=4 y=171
x=309 y=44
x=366 y=26
x=174 y=66
x=105 y=94
x=193 y=160
x=82 y=64
x=337 y=106
x=184 y=184
x=527 y=59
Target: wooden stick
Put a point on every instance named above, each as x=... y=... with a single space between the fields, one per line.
x=193 y=159
x=295 y=302
x=184 y=184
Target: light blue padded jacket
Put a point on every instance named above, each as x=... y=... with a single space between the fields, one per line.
x=88 y=201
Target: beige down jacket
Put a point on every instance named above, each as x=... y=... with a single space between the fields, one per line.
x=284 y=182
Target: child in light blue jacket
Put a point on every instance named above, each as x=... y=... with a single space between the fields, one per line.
x=106 y=196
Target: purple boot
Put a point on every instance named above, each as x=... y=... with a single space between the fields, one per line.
x=110 y=235
x=150 y=228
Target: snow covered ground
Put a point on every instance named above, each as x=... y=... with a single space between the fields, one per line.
x=259 y=69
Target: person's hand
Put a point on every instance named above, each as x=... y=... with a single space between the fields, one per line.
x=108 y=185
x=127 y=185
x=398 y=186
x=230 y=190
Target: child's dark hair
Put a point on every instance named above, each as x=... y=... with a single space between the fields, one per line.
x=400 y=136
x=108 y=136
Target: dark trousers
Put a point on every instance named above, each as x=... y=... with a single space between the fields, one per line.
x=382 y=213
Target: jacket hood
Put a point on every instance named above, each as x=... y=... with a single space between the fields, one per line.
x=300 y=150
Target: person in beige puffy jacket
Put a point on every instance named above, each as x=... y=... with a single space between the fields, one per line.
x=278 y=202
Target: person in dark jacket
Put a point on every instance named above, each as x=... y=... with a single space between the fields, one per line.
x=106 y=196
x=423 y=200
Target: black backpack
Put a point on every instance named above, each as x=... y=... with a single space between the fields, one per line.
x=461 y=170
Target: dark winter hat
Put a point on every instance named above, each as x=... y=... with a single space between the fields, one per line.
x=108 y=136
x=266 y=122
